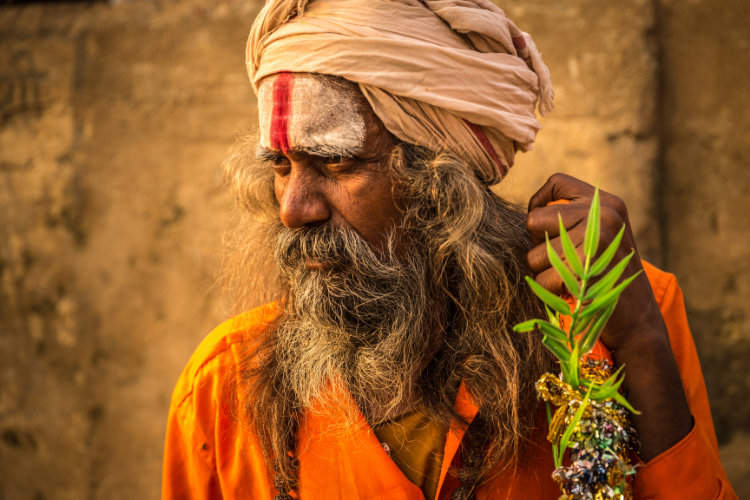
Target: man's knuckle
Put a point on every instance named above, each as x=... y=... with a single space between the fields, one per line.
x=535 y=258
x=531 y=260
x=557 y=178
x=618 y=204
x=533 y=221
x=610 y=218
x=550 y=281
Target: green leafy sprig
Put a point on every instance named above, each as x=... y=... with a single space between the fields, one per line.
x=595 y=301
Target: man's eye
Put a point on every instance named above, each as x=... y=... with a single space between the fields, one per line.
x=280 y=164
x=335 y=159
x=338 y=163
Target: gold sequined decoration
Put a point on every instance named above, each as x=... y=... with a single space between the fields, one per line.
x=600 y=442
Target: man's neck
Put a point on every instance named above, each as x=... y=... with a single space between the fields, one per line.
x=381 y=414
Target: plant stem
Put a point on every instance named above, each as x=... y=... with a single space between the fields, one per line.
x=579 y=300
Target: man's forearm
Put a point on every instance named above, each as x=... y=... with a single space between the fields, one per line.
x=653 y=386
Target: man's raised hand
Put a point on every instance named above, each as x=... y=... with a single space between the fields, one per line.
x=635 y=333
x=567 y=198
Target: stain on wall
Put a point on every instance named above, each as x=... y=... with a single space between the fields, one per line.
x=20 y=86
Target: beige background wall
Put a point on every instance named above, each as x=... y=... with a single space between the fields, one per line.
x=114 y=119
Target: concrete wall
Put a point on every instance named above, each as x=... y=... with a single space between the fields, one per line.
x=113 y=122
x=706 y=154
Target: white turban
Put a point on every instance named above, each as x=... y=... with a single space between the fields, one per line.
x=450 y=75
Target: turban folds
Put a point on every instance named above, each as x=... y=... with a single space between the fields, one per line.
x=450 y=75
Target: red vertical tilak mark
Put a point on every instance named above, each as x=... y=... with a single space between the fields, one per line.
x=282 y=108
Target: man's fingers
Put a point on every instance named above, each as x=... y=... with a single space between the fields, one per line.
x=550 y=280
x=545 y=220
x=560 y=187
x=539 y=260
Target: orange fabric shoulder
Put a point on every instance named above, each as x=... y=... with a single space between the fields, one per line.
x=201 y=452
x=241 y=330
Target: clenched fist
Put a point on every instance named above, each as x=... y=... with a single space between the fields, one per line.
x=569 y=198
x=635 y=333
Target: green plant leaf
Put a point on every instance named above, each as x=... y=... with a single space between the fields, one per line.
x=549 y=298
x=606 y=283
x=624 y=402
x=605 y=390
x=589 y=339
x=553 y=331
x=606 y=257
x=581 y=324
x=600 y=303
x=615 y=381
x=563 y=344
x=573 y=367
x=613 y=377
x=611 y=296
x=567 y=276
x=603 y=394
x=571 y=255
x=565 y=439
x=551 y=316
x=555 y=457
x=526 y=326
x=609 y=390
x=561 y=351
x=591 y=240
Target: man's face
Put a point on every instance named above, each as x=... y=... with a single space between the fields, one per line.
x=330 y=154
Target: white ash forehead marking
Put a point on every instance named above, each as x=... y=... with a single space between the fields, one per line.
x=323 y=119
x=265 y=110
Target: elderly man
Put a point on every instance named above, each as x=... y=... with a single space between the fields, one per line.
x=384 y=364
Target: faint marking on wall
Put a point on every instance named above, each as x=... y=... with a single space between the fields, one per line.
x=9 y=166
x=21 y=87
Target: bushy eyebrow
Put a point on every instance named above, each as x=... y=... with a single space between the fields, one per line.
x=321 y=150
x=327 y=150
x=266 y=154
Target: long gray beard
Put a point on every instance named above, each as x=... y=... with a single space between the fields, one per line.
x=362 y=323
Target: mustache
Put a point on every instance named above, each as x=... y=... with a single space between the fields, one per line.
x=340 y=246
x=358 y=288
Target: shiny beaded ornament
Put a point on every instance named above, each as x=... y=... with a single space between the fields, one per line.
x=599 y=441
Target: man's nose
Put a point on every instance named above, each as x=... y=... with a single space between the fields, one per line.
x=301 y=201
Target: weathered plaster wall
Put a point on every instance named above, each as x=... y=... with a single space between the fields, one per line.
x=706 y=196
x=113 y=122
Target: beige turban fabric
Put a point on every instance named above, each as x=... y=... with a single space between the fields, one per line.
x=450 y=75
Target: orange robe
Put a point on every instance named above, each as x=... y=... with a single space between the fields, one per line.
x=211 y=454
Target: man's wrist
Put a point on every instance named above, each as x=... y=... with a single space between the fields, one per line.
x=653 y=386
x=646 y=343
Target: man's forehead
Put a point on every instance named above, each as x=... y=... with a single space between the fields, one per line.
x=305 y=112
